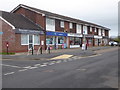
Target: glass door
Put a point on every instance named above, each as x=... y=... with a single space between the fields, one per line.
x=30 y=42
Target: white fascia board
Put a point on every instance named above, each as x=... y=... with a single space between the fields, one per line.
x=13 y=27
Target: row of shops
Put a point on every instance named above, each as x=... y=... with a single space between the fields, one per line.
x=60 y=40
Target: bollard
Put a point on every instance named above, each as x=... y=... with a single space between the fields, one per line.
x=40 y=50
x=49 y=50
x=32 y=50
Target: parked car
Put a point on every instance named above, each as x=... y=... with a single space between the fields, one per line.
x=113 y=43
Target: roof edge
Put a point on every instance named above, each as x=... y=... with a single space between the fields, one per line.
x=13 y=27
x=27 y=7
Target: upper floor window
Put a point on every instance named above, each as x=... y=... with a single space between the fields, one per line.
x=90 y=29
x=79 y=28
x=99 y=32
x=95 y=30
x=62 y=24
x=50 y=24
x=71 y=25
x=103 y=32
x=85 y=31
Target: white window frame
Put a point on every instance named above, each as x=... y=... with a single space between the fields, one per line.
x=71 y=25
x=79 y=28
x=50 y=24
x=27 y=39
x=34 y=40
x=85 y=29
x=62 y=24
x=99 y=32
x=95 y=30
x=90 y=29
x=103 y=32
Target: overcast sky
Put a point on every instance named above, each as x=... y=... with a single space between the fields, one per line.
x=102 y=12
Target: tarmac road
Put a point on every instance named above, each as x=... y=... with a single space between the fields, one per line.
x=97 y=71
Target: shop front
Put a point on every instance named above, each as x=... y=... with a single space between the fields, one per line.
x=74 y=40
x=26 y=39
x=89 y=40
x=56 y=40
x=98 y=40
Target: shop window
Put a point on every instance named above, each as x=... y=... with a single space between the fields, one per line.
x=24 y=39
x=62 y=24
x=75 y=41
x=60 y=40
x=49 y=40
x=36 y=39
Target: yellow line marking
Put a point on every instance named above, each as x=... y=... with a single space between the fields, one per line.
x=65 y=56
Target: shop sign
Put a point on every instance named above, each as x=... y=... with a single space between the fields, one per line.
x=99 y=37
x=74 y=35
x=26 y=31
x=56 y=34
x=1 y=33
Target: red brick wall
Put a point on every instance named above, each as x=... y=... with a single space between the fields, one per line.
x=7 y=36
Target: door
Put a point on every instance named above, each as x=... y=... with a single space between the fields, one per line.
x=30 y=42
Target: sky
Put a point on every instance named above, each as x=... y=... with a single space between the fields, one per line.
x=101 y=12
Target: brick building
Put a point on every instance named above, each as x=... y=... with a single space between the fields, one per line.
x=59 y=31
x=19 y=33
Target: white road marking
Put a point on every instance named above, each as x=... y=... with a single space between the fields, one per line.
x=43 y=65
x=51 y=63
x=33 y=67
x=22 y=70
x=9 y=73
x=36 y=65
x=27 y=67
x=10 y=66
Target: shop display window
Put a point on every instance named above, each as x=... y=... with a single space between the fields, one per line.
x=60 y=40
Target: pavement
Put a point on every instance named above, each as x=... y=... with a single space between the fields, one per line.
x=77 y=71
x=61 y=53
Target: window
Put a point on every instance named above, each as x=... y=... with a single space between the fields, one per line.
x=75 y=41
x=62 y=24
x=103 y=32
x=60 y=40
x=50 y=24
x=49 y=40
x=95 y=30
x=36 y=39
x=79 y=29
x=71 y=25
x=85 y=30
x=100 y=32
x=24 y=39
x=90 y=29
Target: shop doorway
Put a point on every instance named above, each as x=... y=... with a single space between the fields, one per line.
x=30 y=43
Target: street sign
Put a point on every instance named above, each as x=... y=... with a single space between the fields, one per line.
x=1 y=33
